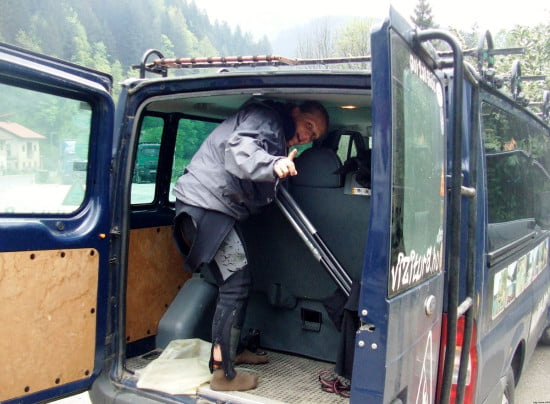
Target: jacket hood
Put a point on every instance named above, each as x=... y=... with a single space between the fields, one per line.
x=284 y=111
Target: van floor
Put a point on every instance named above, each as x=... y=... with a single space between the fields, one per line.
x=285 y=379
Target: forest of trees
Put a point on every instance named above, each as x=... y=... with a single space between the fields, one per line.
x=111 y=36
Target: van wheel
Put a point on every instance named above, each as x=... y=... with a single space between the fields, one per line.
x=510 y=388
x=545 y=337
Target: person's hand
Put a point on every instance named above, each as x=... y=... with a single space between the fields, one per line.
x=285 y=166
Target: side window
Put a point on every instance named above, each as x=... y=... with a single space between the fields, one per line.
x=347 y=147
x=515 y=153
x=44 y=141
x=347 y=144
x=191 y=134
x=147 y=160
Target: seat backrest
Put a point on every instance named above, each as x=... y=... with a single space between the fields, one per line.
x=278 y=256
x=281 y=263
x=317 y=168
x=341 y=219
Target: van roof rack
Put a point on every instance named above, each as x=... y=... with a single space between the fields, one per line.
x=484 y=54
x=485 y=69
x=160 y=65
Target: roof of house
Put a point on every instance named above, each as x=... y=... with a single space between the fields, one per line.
x=19 y=131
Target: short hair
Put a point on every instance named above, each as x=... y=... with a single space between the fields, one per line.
x=315 y=106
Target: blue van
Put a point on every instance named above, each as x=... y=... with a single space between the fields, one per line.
x=407 y=262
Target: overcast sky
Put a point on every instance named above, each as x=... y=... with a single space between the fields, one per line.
x=261 y=17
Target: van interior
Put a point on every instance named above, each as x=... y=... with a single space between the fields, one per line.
x=295 y=307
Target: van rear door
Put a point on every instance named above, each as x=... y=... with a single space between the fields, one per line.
x=402 y=287
x=56 y=128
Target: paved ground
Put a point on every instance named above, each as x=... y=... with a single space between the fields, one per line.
x=534 y=385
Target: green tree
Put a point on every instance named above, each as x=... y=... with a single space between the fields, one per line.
x=536 y=60
x=468 y=39
x=167 y=48
x=82 y=50
x=535 y=40
x=12 y=18
x=28 y=41
x=205 y=47
x=351 y=39
x=73 y=29
x=423 y=17
x=354 y=38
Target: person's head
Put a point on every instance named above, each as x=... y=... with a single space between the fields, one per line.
x=311 y=121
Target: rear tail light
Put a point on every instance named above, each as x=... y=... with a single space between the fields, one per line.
x=471 y=374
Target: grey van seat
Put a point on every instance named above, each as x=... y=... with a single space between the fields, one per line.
x=286 y=268
x=289 y=284
x=317 y=168
x=340 y=219
x=281 y=264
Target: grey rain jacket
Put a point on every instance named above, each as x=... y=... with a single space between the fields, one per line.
x=232 y=172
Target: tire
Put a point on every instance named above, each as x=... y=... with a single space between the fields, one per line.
x=545 y=337
x=509 y=390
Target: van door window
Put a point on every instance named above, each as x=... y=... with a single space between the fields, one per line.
x=191 y=134
x=44 y=142
x=418 y=172
x=147 y=160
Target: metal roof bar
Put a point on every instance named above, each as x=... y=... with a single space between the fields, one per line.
x=256 y=60
x=160 y=64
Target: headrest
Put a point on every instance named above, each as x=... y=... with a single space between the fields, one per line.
x=316 y=168
x=332 y=140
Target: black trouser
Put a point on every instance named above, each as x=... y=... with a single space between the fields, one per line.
x=230 y=270
x=229 y=318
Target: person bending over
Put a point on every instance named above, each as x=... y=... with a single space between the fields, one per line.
x=234 y=173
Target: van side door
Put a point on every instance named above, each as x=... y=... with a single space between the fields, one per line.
x=56 y=128
x=402 y=287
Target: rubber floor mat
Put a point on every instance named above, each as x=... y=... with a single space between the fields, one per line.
x=285 y=379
